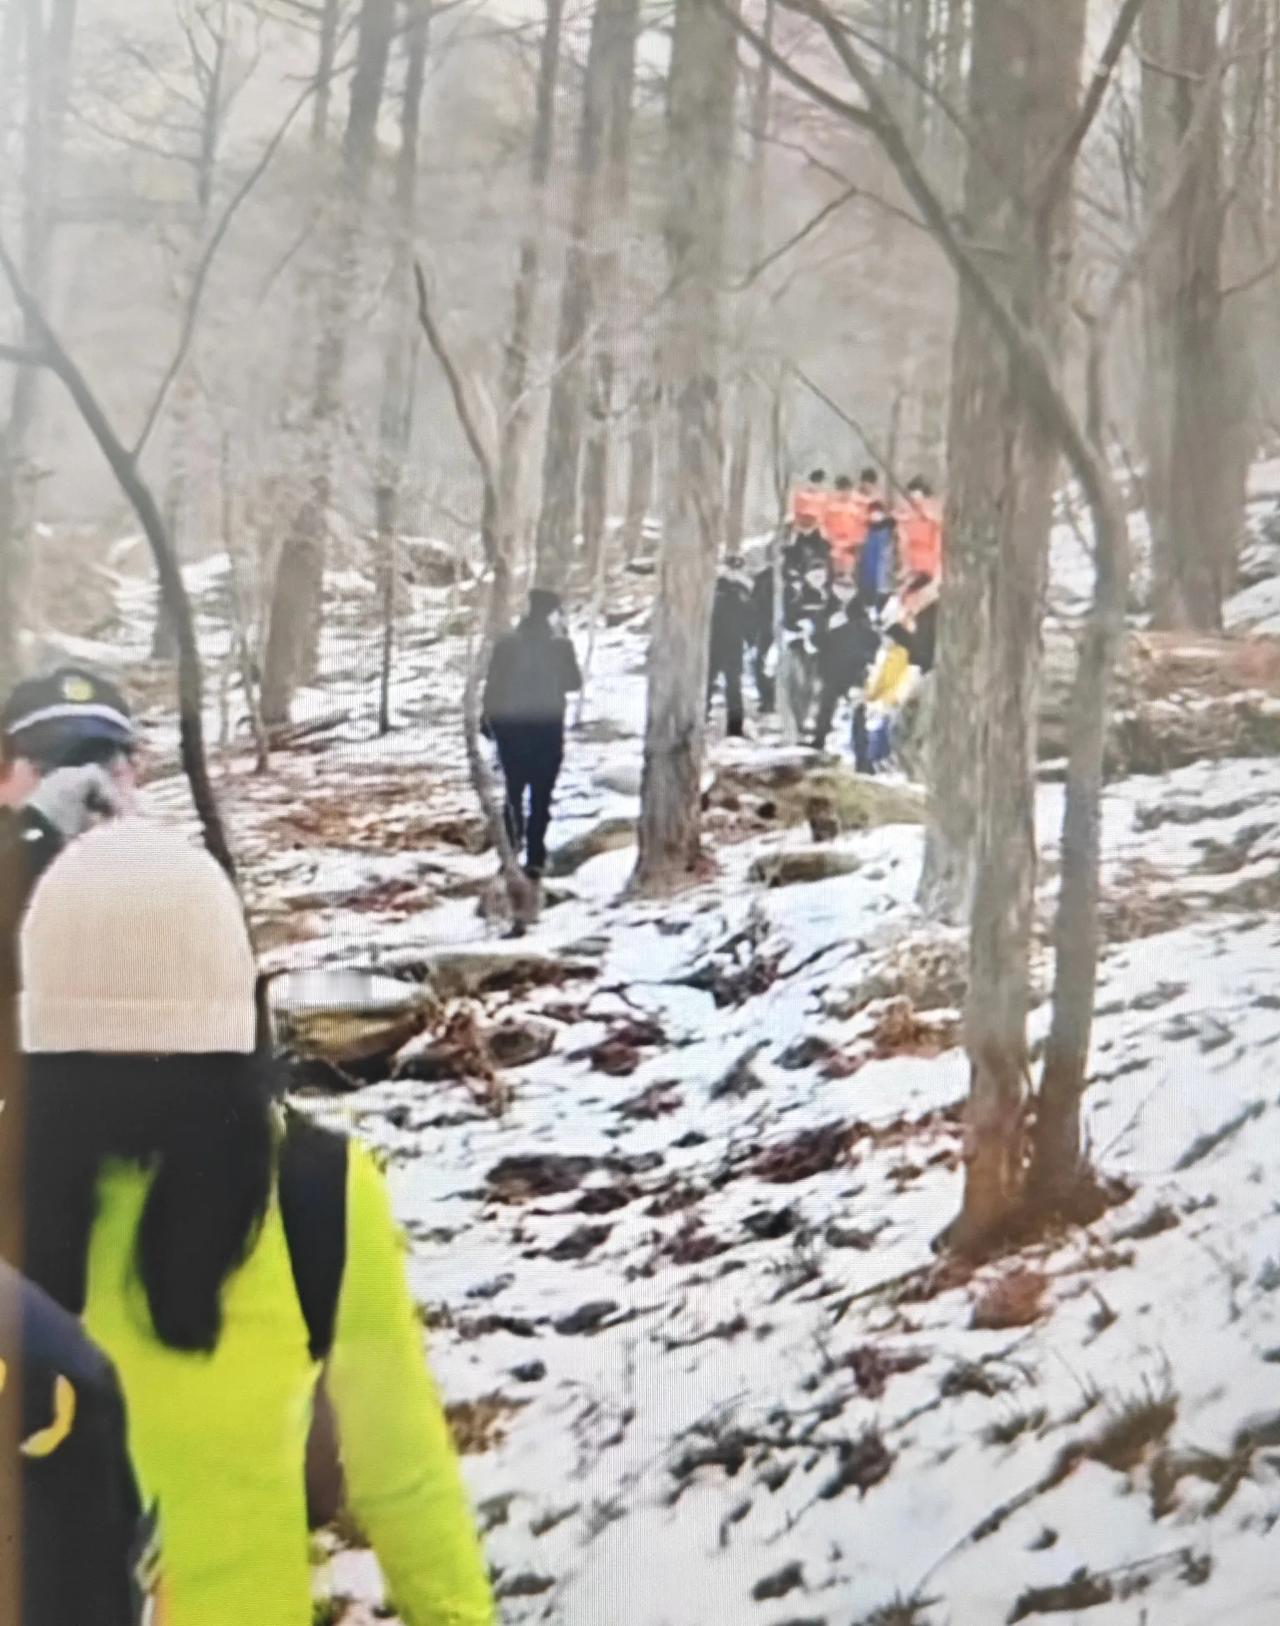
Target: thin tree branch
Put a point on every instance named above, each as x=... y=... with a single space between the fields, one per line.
x=833 y=173
x=522 y=894
x=206 y=262
x=1267 y=269
x=1063 y=160
x=847 y=417
x=850 y=111
x=457 y=389
x=20 y=357
x=172 y=587
x=797 y=237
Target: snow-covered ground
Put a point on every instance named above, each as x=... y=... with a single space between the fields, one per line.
x=683 y=1288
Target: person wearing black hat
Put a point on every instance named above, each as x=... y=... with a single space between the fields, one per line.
x=67 y=744
x=532 y=673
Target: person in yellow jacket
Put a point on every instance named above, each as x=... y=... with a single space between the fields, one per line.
x=889 y=685
x=157 y=1210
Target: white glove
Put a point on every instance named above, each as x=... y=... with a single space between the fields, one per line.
x=72 y=799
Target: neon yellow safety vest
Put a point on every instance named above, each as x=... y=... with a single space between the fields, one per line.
x=219 y=1441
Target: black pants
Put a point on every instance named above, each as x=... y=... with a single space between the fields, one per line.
x=835 y=686
x=731 y=671
x=766 y=688
x=530 y=754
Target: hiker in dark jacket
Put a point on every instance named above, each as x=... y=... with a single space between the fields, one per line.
x=71 y=1532
x=805 y=605
x=531 y=675
x=731 y=630
x=760 y=638
x=66 y=761
x=847 y=649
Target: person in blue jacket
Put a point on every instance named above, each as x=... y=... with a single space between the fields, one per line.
x=876 y=559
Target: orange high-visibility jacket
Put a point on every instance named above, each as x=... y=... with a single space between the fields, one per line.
x=920 y=534
x=809 y=502
x=845 y=526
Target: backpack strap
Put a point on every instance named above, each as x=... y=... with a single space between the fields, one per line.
x=313 y=1208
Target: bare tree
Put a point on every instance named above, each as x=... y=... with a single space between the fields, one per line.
x=609 y=225
x=515 y=371
x=700 y=156
x=47 y=59
x=740 y=451
x=1182 y=410
x=294 y=625
x=640 y=466
x=400 y=354
x=1031 y=66
x=562 y=452
x=47 y=350
x=522 y=893
x=208 y=34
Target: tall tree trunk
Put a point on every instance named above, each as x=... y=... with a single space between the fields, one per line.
x=326 y=53
x=182 y=410
x=700 y=156
x=974 y=488
x=47 y=50
x=1246 y=245
x=294 y=628
x=400 y=353
x=945 y=140
x=609 y=230
x=1026 y=77
x=562 y=452
x=515 y=371
x=740 y=451
x=1183 y=404
x=1058 y=1154
x=640 y=468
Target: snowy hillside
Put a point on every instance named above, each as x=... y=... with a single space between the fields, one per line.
x=678 y=1275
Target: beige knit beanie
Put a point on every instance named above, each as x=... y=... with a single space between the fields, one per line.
x=135 y=944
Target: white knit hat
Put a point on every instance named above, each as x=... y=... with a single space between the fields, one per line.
x=135 y=944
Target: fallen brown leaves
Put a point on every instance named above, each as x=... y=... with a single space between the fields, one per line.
x=1014 y=1299
x=811 y=1151
x=480 y=1425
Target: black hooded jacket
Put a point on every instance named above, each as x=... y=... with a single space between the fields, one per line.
x=531 y=675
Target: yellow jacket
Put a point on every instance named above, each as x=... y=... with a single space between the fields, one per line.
x=890 y=676
x=218 y=1441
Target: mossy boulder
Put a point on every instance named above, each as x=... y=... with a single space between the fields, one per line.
x=802 y=866
x=608 y=836
x=784 y=788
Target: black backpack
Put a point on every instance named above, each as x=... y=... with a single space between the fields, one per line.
x=313 y=1210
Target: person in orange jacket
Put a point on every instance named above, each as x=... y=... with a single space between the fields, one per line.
x=809 y=502
x=920 y=532
x=845 y=526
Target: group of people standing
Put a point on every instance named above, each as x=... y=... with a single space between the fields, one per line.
x=860 y=588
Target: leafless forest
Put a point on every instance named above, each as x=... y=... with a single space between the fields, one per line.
x=372 y=296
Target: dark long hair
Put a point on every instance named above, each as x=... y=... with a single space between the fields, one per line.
x=203 y=1124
